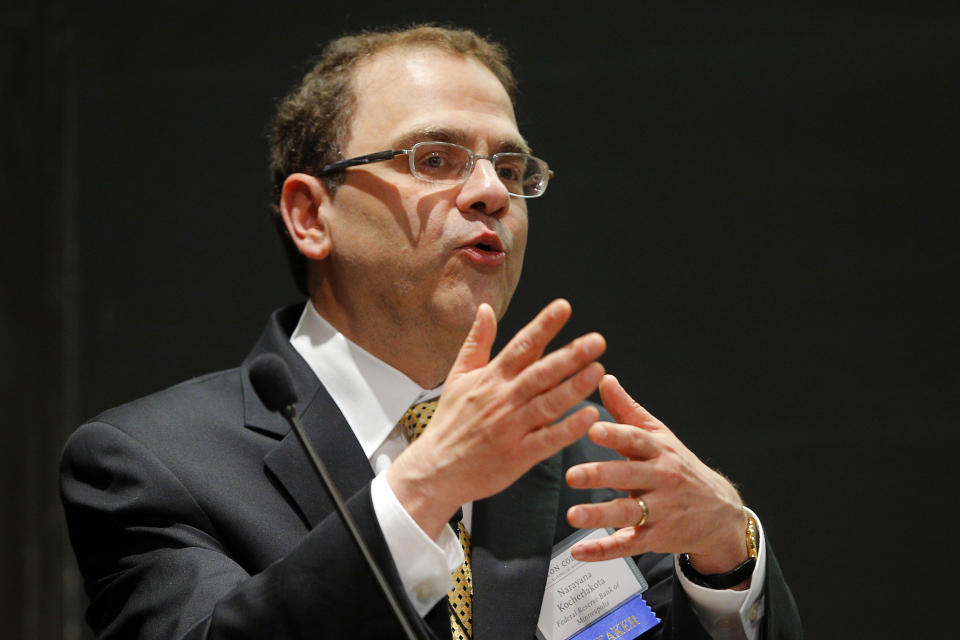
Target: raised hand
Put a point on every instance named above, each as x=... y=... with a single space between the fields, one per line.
x=691 y=508
x=495 y=419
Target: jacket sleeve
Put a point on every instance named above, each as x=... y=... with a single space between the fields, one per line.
x=155 y=567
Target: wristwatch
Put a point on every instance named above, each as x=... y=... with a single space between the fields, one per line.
x=736 y=575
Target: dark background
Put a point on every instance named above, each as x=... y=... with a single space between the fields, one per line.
x=755 y=204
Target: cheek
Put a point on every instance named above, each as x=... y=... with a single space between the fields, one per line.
x=432 y=217
x=518 y=231
x=382 y=230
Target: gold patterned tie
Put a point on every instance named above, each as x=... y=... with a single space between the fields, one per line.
x=460 y=598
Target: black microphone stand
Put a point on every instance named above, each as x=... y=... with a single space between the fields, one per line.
x=290 y=413
x=272 y=382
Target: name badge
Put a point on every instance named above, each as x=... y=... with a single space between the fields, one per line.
x=593 y=600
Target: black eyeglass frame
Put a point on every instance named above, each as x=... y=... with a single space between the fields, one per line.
x=390 y=154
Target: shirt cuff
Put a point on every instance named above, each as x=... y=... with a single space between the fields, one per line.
x=727 y=614
x=425 y=566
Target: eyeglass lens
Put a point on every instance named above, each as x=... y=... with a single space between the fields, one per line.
x=521 y=174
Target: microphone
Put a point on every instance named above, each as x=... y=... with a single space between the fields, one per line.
x=273 y=384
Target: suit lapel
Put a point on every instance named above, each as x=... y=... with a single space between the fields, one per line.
x=512 y=537
x=337 y=447
x=325 y=426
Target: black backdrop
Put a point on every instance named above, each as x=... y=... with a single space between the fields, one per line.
x=755 y=204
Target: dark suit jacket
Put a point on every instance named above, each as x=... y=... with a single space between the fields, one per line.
x=194 y=513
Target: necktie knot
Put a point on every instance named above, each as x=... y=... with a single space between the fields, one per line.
x=415 y=420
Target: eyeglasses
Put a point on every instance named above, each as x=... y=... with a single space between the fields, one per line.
x=523 y=175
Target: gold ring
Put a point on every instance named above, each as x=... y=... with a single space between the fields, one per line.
x=646 y=512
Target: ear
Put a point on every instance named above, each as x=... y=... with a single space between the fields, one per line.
x=301 y=202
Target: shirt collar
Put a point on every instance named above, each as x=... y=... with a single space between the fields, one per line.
x=371 y=394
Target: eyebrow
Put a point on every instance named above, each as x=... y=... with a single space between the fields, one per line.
x=458 y=136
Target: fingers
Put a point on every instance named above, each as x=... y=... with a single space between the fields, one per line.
x=562 y=363
x=622 y=512
x=547 y=440
x=557 y=400
x=627 y=440
x=624 y=475
x=624 y=408
x=564 y=377
x=628 y=541
x=475 y=351
x=527 y=346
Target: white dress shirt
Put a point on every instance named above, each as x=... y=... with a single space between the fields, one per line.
x=373 y=396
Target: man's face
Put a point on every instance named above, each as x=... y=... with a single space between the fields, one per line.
x=414 y=250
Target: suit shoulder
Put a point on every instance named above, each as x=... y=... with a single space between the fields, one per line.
x=209 y=399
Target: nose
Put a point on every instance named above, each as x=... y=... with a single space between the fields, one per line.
x=483 y=192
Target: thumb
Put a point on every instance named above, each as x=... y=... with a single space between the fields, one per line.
x=475 y=351
x=622 y=407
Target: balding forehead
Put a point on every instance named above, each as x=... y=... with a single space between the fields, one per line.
x=408 y=95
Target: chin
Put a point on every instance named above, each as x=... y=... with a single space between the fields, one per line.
x=460 y=308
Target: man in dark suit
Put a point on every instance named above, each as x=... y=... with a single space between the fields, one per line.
x=402 y=181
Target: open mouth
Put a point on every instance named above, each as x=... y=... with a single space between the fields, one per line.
x=486 y=250
x=489 y=242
